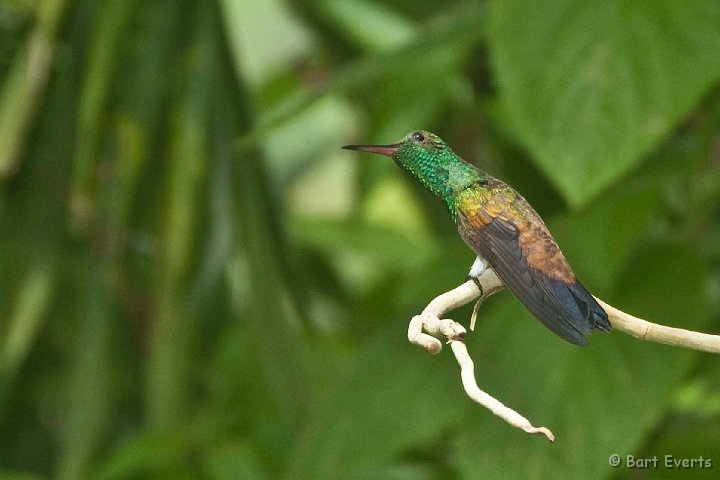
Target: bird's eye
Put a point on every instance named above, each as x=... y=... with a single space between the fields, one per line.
x=418 y=137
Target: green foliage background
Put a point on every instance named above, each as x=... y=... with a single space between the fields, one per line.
x=195 y=282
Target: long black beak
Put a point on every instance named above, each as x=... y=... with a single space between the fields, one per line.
x=387 y=150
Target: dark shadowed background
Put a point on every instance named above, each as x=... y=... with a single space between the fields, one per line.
x=196 y=282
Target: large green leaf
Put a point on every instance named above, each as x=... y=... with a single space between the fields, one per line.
x=590 y=88
x=600 y=238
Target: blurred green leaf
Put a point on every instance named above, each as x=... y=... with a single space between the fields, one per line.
x=689 y=429
x=87 y=416
x=168 y=367
x=683 y=438
x=25 y=324
x=145 y=453
x=370 y=23
x=361 y=251
x=109 y=29
x=457 y=29
x=599 y=239
x=290 y=149
x=25 y=88
x=7 y=475
x=590 y=91
x=258 y=230
x=377 y=411
x=252 y=30
x=413 y=95
x=233 y=461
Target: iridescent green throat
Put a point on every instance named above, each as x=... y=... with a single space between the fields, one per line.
x=437 y=167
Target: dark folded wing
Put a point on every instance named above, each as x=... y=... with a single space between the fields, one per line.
x=567 y=309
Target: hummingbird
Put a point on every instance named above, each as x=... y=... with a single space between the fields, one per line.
x=504 y=231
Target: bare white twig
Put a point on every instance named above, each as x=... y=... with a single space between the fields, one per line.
x=467 y=372
x=424 y=329
x=653 y=332
x=430 y=322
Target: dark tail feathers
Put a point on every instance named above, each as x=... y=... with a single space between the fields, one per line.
x=596 y=317
x=576 y=312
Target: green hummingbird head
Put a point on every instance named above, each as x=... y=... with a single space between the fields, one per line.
x=430 y=160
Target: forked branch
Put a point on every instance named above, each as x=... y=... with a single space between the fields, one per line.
x=424 y=329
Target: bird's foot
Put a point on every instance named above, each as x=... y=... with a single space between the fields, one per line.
x=476 y=309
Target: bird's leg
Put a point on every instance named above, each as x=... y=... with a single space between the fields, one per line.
x=485 y=292
x=487 y=282
x=476 y=309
